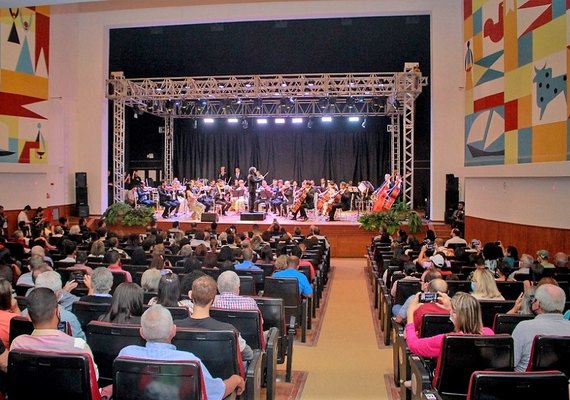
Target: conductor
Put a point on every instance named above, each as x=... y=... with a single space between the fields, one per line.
x=253 y=179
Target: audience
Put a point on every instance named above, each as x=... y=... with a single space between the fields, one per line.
x=291 y=271
x=169 y=293
x=8 y=310
x=126 y=306
x=484 y=286
x=99 y=285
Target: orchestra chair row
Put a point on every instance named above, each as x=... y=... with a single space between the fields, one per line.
x=218 y=350
x=484 y=385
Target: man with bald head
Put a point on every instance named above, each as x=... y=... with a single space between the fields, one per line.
x=548 y=306
x=434 y=286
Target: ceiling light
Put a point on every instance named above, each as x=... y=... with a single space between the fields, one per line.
x=279 y=120
x=262 y=121
x=326 y=119
x=208 y=120
x=233 y=120
x=354 y=119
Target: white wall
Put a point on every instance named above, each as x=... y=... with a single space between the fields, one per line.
x=82 y=47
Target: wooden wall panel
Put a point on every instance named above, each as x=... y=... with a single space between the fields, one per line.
x=526 y=238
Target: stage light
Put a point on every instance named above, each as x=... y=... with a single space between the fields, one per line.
x=168 y=106
x=279 y=120
x=354 y=119
x=350 y=102
x=297 y=120
x=208 y=120
x=257 y=103
x=364 y=123
x=326 y=119
x=195 y=124
x=323 y=103
x=244 y=123
x=233 y=120
x=262 y=121
x=332 y=101
x=310 y=123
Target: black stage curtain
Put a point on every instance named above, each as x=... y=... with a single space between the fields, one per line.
x=340 y=150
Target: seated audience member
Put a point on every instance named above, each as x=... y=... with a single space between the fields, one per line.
x=561 y=260
x=436 y=286
x=401 y=311
x=114 y=246
x=247 y=263
x=188 y=281
x=465 y=313
x=511 y=256
x=455 y=239
x=229 y=298
x=8 y=310
x=291 y=271
x=69 y=249
x=525 y=263
x=548 y=306
x=150 y=280
x=542 y=257
x=115 y=264
x=158 y=329
x=80 y=264
x=99 y=285
x=484 y=286
x=409 y=269
x=491 y=253
x=45 y=314
x=298 y=251
x=35 y=262
x=126 y=305
x=280 y=263
x=204 y=291
x=503 y=272
x=168 y=294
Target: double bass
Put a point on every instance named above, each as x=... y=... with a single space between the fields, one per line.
x=387 y=193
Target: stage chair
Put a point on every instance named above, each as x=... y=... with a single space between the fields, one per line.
x=248 y=323
x=106 y=340
x=506 y=323
x=219 y=351
x=288 y=290
x=51 y=375
x=87 y=312
x=461 y=355
x=485 y=385
x=550 y=353
x=135 y=379
x=273 y=312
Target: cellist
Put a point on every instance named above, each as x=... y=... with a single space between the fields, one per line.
x=304 y=201
x=342 y=203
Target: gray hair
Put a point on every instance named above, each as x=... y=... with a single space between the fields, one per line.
x=526 y=261
x=74 y=230
x=156 y=324
x=561 y=260
x=50 y=280
x=36 y=260
x=437 y=285
x=150 y=280
x=228 y=281
x=551 y=298
x=102 y=280
x=38 y=251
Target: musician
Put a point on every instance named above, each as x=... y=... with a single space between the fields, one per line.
x=165 y=199
x=194 y=206
x=305 y=195
x=343 y=203
x=323 y=187
x=238 y=175
x=202 y=192
x=220 y=196
x=264 y=194
x=238 y=196
x=288 y=195
x=131 y=196
x=223 y=175
x=143 y=196
x=253 y=179
x=277 y=197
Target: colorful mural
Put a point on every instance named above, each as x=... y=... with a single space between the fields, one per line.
x=24 y=71
x=516 y=63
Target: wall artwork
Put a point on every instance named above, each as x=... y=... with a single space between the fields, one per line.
x=24 y=71
x=516 y=90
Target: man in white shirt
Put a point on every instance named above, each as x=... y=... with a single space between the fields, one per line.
x=455 y=238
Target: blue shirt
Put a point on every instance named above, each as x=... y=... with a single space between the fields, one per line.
x=215 y=387
x=246 y=265
x=304 y=286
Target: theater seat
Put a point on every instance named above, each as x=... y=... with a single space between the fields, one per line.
x=550 y=353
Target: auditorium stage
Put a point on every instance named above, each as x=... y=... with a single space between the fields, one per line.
x=345 y=236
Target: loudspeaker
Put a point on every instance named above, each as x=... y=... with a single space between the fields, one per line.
x=451 y=183
x=82 y=210
x=81 y=196
x=247 y=216
x=451 y=201
x=209 y=217
x=81 y=179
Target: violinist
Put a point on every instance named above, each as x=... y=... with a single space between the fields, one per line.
x=264 y=194
x=304 y=200
x=219 y=194
x=288 y=197
x=253 y=179
x=194 y=206
x=342 y=201
x=143 y=196
x=165 y=200
x=223 y=175
x=278 y=197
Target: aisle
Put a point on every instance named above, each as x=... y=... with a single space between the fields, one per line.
x=346 y=363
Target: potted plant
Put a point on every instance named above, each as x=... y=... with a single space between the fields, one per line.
x=374 y=220
x=124 y=214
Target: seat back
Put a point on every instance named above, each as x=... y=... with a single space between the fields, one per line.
x=218 y=350
x=550 y=353
x=510 y=290
x=288 y=290
x=257 y=276
x=273 y=312
x=62 y=376
x=247 y=286
x=405 y=289
x=106 y=340
x=118 y=278
x=435 y=324
x=176 y=312
x=505 y=323
x=87 y=312
x=247 y=323
x=518 y=385
x=135 y=379
x=23 y=326
x=458 y=286
x=461 y=355
x=489 y=308
x=17 y=250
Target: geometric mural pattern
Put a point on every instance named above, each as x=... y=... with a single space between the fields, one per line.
x=517 y=56
x=24 y=72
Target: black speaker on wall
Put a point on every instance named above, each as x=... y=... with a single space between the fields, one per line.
x=81 y=194
x=81 y=179
x=82 y=210
x=451 y=196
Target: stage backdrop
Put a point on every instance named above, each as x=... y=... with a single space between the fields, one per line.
x=516 y=64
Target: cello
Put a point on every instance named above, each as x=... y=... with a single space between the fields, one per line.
x=299 y=200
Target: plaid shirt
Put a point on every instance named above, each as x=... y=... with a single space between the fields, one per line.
x=231 y=301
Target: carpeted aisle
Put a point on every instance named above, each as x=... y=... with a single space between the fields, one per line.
x=346 y=363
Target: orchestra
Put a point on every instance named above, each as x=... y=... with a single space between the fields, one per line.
x=281 y=198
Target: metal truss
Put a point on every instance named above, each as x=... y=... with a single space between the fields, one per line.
x=168 y=147
x=350 y=94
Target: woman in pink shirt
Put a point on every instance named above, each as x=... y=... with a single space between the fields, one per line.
x=465 y=313
x=8 y=310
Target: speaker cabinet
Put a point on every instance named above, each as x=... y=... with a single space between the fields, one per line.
x=81 y=196
x=81 y=179
x=451 y=183
x=209 y=217
x=82 y=210
x=254 y=216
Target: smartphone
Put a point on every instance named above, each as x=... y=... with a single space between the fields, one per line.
x=428 y=297
x=78 y=277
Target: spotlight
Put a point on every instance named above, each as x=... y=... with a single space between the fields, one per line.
x=168 y=106
x=257 y=103
x=244 y=123
x=332 y=101
x=323 y=103
x=350 y=102
x=310 y=123
x=364 y=123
